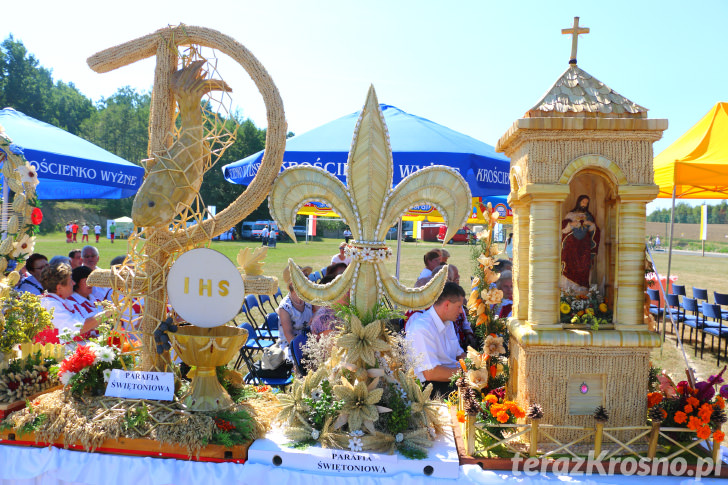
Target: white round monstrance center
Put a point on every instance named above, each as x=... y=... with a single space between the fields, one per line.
x=205 y=288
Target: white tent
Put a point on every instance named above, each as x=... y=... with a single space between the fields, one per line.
x=124 y=227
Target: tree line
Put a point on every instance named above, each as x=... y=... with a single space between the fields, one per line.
x=119 y=124
x=684 y=213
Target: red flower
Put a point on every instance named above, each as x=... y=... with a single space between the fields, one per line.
x=36 y=216
x=47 y=336
x=83 y=357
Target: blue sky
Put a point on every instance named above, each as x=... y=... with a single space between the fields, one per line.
x=474 y=66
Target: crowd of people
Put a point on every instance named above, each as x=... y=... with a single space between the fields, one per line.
x=72 y=229
x=439 y=335
x=61 y=282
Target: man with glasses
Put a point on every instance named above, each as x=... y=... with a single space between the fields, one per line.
x=90 y=257
x=34 y=266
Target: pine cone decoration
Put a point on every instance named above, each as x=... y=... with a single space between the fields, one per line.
x=601 y=414
x=719 y=417
x=535 y=412
x=655 y=414
x=460 y=383
x=470 y=402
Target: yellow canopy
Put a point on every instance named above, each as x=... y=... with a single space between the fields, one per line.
x=696 y=164
x=419 y=213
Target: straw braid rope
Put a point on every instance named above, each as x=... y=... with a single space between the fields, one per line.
x=153 y=250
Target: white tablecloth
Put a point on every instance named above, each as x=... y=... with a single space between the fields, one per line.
x=46 y=466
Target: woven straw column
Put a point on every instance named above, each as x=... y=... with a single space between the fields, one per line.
x=544 y=252
x=521 y=220
x=629 y=302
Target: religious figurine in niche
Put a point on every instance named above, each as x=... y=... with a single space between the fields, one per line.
x=579 y=247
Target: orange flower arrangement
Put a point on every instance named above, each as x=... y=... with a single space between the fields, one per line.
x=688 y=409
x=654 y=398
x=720 y=402
x=718 y=436
x=680 y=417
x=694 y=423
x=705 y=412
x=490 y=398
x=704 y=432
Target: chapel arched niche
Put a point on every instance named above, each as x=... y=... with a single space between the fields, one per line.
x=597 y=178
x=602 y=198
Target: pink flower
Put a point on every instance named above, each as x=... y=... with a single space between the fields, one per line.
x=666 y=386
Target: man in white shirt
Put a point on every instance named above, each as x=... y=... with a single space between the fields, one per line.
x=432 y=260
x=433 y=339
x=264 y=235
x=34 y=266
x=84 y=232
x=97 y=232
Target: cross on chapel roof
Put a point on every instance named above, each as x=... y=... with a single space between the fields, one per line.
x=575 y=31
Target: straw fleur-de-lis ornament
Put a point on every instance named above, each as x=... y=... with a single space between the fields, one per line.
x=370 y=206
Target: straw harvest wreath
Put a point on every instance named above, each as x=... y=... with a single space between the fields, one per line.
x=18 y=242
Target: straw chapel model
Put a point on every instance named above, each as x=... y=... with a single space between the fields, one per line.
x=581 y=141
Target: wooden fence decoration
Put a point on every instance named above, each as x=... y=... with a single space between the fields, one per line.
x=602 y=434
x=54 y=351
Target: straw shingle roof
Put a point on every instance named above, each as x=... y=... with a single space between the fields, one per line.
x=579 y=94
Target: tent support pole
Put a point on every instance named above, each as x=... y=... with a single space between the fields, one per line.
x=6 y=197
x=399 y=246
x=669 y=252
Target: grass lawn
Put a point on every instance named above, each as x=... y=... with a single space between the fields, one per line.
x=692 y=270
x=316 y=254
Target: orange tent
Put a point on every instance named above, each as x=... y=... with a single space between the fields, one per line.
x=695 y=166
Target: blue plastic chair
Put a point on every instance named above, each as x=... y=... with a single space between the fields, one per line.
x=693 y=319
x=679 y=290
x=253 y=345
x=721 y=299
x=672 y=308
x=278 y=296
x=251 y=301
x=271 y=326
x=323 y=271
x=297 y=352
x=266 y=299
x=701 y=295
x=713 y=327
x=656 y=309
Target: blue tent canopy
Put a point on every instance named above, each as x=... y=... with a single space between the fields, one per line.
x=70 y=167
x=416 y=143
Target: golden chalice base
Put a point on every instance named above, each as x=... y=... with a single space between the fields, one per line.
x=207 y=348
